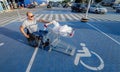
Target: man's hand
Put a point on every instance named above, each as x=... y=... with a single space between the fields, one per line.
x=45 y=25
x=27 y=36
x=23 y=32
x=43 y=21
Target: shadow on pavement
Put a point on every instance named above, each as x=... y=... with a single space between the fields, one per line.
x=13 y=35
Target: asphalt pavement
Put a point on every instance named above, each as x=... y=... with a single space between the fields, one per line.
x=96 y=43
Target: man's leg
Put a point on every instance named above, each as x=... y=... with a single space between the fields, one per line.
x=32 y=40
x=43 y=32
x=38 y=38
x=46 y=41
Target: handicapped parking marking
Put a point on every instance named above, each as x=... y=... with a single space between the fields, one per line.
x=86 y=53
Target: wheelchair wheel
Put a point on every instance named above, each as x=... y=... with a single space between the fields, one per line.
x=34 y=41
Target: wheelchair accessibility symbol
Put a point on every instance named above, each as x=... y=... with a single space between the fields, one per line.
x=86 y=53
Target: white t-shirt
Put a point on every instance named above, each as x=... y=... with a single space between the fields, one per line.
x=30 y=25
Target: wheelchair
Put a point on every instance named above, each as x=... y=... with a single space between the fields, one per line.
x=36 y=39
x=49 y=40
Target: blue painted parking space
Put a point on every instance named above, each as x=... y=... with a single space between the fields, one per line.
x=109 y=27
x=15 y=53
x=95 y=52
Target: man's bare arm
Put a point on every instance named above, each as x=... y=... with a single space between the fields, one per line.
x=49 y=23
x=43 y=21
x=23 y=32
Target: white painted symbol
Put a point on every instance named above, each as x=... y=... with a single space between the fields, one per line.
x=1 y=44
x=86 y=53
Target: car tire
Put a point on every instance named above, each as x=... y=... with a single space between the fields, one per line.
x=116 y=11
x=96 y=11
x=103 y=13
x=72 y=10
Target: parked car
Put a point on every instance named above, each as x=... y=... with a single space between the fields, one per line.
x=115 y=6
x=65 y=5
x=107 y=3
x=54 y=4
x=49 y=6
x=30 y=6
x=77 y=7
x=118 y=10
x=98 y=9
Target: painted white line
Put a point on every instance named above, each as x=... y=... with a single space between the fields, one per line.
x=7 y=18
x=22 y=18
x=62 y=17
x=39 y=16
x=86 y=53
x=4 y=21
x=83 y=44
x=1 y=44
x=32 y=60
x=78 y=16
x=74 y=17
x=50 y=17
x=68 y=17
x=56 y=17
x=13 y=21
x=45 y=16
x=82 y=53
x=104 y=33
x=8 y=23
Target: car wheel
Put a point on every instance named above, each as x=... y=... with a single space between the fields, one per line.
x=103 y=12
x=72 y=10
x=96 y=11
x=117 y=11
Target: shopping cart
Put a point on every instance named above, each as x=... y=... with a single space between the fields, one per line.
x=57 y=44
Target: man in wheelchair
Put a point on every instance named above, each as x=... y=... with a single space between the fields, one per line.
x=33 y=35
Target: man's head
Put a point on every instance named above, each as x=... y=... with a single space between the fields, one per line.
x=30 y=15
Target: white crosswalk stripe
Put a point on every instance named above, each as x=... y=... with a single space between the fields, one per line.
x=68 y=17
x=64 y=17
x=60 y=17
x=57 y=17
x=22 y=18
x=6 y=19
x=50 y=17
x=74 y=17
x=110 y=17
x=78 y=16
x=45 y=17
x=42 y=15
x=12 y=16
